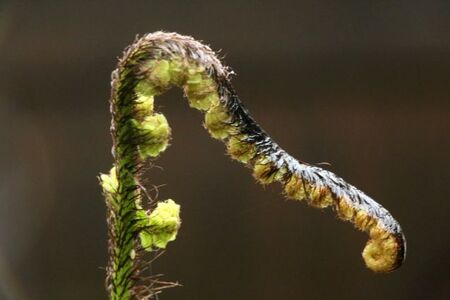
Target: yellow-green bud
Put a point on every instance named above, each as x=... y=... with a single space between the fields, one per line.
x=200 y=89
x=156 y=131
x=144 y=98
x=217 y=121
x=162 y=227
x=241 y=150
x=177 y=72
x=109 y=181
x=160 y=72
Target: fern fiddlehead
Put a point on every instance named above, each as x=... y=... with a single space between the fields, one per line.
x=151 y=65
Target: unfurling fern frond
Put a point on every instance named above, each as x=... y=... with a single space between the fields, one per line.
x=149 y=67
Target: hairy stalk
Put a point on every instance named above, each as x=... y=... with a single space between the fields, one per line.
x=150 y=66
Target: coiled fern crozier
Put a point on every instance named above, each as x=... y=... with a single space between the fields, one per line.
x=149 y=67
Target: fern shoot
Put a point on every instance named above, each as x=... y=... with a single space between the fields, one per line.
x=149 y=67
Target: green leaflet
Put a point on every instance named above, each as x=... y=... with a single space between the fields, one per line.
x=162 y=226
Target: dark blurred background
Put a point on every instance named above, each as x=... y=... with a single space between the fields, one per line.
x=362 y=85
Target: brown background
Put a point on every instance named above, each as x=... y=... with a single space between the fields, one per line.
x=363 y=85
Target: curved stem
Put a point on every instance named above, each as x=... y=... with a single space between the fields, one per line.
x=148 y=68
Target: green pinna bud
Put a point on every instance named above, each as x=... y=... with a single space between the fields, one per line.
x=109 y=181
x=155 y=131
x=145 y=98
x=162 y=226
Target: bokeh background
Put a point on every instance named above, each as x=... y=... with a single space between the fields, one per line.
x=361 y=85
